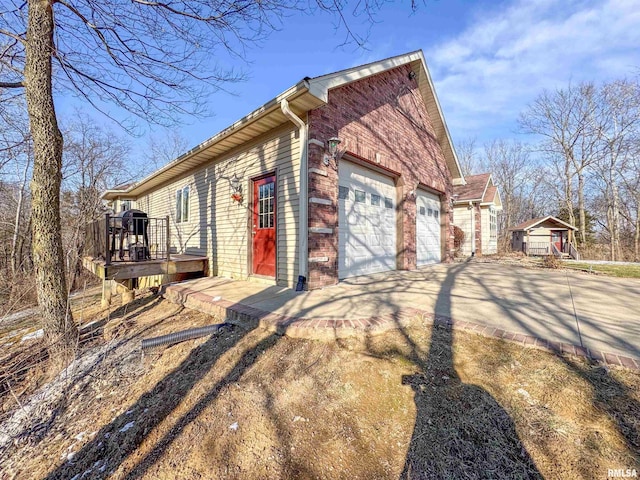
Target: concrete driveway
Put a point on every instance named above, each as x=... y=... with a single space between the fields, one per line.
x=600 y=313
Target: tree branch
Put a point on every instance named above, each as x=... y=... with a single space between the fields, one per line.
x=11 y=84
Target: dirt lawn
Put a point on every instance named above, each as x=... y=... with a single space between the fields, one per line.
x=245 y=403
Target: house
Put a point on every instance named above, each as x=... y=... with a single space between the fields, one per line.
x=475 y=208
x=544 y=236
x=345 y=174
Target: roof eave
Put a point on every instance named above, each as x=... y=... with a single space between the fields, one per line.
x=138 y=188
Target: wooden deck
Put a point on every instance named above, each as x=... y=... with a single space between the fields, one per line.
x=147 y=268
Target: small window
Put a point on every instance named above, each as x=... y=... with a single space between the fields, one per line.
x=436 y=213
x=422 y=211
x=388 y=203
x=343 y=193
x=360 y=196
x=266 y=202
x=182 y=205
x=125 y=205
x=375 y=200
x=430 y=212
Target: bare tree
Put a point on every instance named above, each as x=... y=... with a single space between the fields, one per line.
x=16 y=157
x=467 y=156
x=93 y=158
x=619 y=132
x=567 y=121
x=511 y=168
x=164 y=148
x=153 y=57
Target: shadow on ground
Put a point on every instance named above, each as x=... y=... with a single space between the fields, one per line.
x=461 y=431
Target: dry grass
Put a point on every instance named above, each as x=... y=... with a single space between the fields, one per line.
x=621 y=271
x=416 y=403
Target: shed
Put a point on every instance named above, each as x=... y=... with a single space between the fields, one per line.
x=544 y=236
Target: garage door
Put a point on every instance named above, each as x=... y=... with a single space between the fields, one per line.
x=427 y=228
x=367 y=221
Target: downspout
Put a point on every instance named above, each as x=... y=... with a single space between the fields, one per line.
x=303 y=231
x=473 y=229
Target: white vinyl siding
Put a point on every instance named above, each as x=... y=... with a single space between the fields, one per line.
x=217 y=226
x=462 y=219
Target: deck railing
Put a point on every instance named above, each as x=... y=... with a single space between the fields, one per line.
x=107 y=240
x=573 y=251
x=536 y=248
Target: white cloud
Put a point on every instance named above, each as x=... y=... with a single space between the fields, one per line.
x=488 y=74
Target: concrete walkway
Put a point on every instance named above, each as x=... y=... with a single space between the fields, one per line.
x=561 y=310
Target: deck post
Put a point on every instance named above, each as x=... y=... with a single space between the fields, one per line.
x=168 y=239
x=107 y=252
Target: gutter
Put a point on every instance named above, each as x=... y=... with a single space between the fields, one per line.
x=303 y=248
x=292 y=92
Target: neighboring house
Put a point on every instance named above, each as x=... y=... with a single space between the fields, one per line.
x=381 y=202
x=544 y=236
x=475 y=209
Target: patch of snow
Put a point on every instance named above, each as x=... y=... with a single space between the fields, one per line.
x=33 y=335
x=45 y=403
x=87 y=325
x=233 y=426
x=79 y=437
x=107 y=435
x=70 y=456
x=128 y=412
x=19 y=315
x=217 y=298
x=128 y=426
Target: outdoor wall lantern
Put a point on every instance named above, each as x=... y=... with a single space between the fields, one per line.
x=236 y=189
x=332 y=143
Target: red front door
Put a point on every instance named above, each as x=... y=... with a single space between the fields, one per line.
x=264 y=226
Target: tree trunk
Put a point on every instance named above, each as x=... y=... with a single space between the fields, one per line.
x=15 y=260
x=60 y=332
x=581 y=210
x=568 y=193
x=636 y=235
x=615 y=217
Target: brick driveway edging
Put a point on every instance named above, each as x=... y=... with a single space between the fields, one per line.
x=334 y=328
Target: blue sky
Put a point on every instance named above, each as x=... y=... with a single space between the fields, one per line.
x=488 y=59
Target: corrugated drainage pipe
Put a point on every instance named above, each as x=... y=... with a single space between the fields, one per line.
x=182 y=336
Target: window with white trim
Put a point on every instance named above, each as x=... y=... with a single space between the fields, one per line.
x=125 y=205
x=493 y=224
x=182 y=204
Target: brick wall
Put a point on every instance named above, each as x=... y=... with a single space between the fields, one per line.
x=381 y=119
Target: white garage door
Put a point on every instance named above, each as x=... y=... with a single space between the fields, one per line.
x=367 y=221
x=427 y=228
